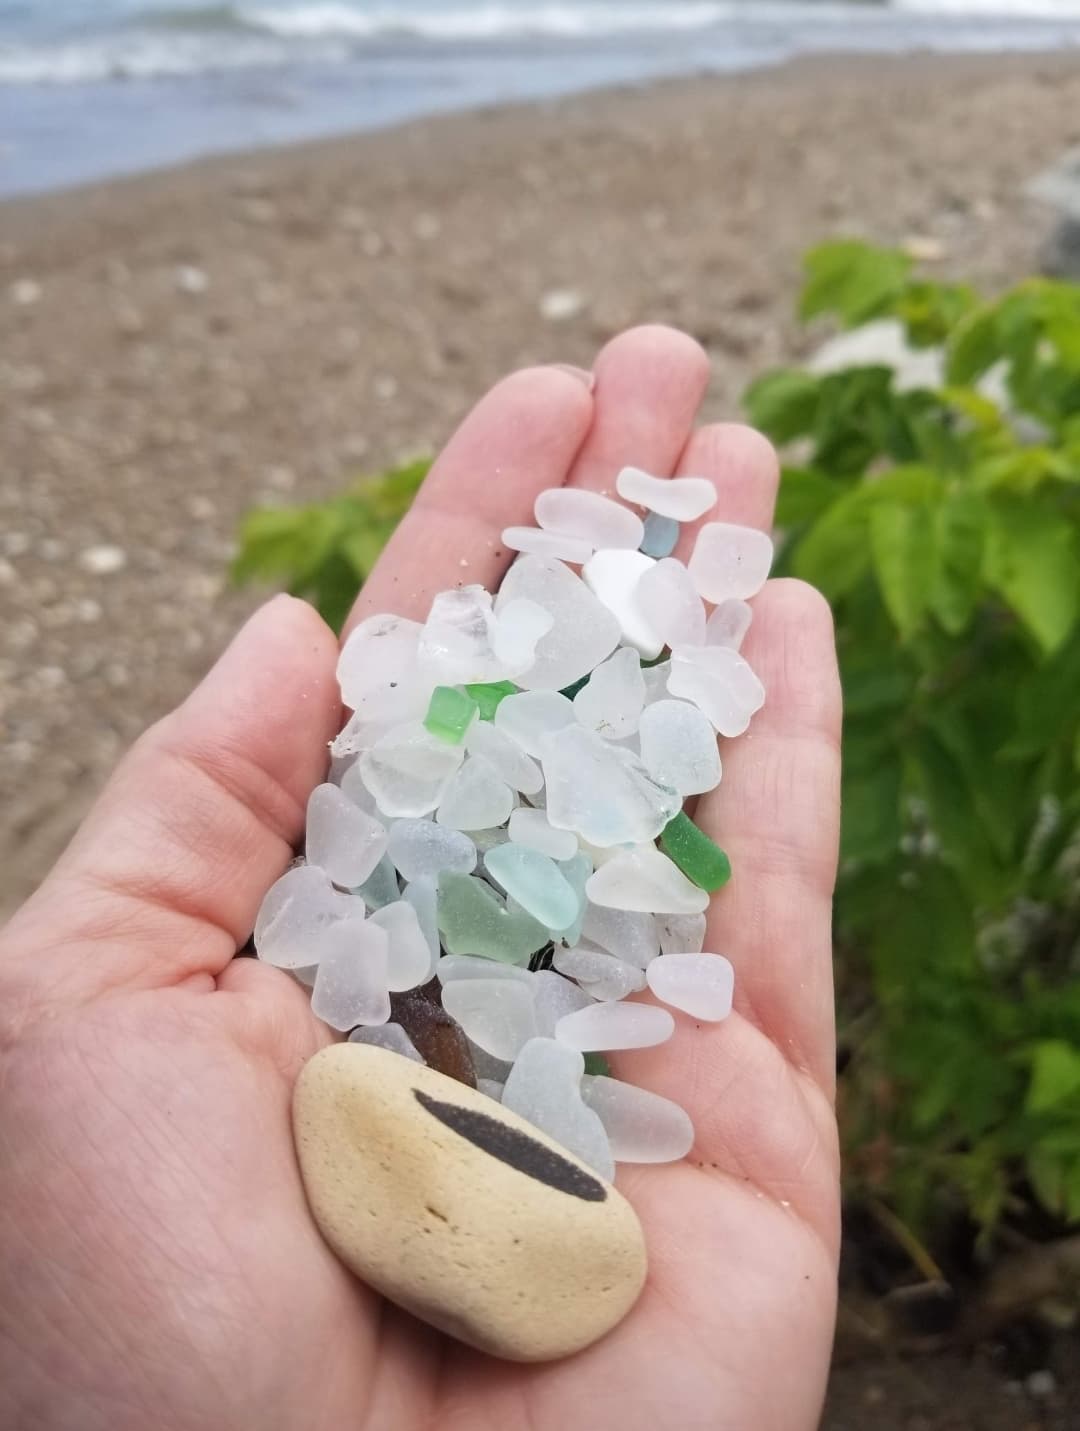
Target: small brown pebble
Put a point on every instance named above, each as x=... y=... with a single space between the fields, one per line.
x=437 y=1037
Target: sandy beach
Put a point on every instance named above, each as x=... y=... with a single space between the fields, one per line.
x=177 y=348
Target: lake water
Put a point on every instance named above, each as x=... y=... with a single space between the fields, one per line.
x=96 y=87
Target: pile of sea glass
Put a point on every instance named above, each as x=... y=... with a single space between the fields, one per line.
x=501 y=856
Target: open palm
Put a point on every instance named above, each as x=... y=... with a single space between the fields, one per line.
x=158 y=1262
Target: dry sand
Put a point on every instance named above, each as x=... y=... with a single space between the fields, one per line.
x=179 y=347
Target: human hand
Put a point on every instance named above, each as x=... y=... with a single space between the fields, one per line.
x=158 y=1262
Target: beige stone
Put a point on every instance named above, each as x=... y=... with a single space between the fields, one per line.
x=460 y=1211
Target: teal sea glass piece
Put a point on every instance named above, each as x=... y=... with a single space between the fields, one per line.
x=661 y=535
x=534 y=881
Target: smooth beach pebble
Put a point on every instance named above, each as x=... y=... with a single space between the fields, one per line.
x=459 y=1210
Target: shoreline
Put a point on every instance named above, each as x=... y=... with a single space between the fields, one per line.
x=128 y=105
x=800 y=70
x=179 y=346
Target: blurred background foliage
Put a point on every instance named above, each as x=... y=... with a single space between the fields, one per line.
x=936 y=503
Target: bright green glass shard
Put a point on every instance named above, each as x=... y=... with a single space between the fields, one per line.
x=488 y=697
x=450 y=713
x=474 y=920
x=700 y=859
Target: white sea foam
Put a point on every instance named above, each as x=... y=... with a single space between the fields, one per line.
x=142 y=56
x=993 y=9
x=144 y=39
x=584 y=20
x=486 y=22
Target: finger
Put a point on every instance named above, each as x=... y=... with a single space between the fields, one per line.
x=759 y=1086
x=649 y=386
x=776 y=812
x=165 y=876
x=519 y=439
x=742 y=466
x=268 y=1011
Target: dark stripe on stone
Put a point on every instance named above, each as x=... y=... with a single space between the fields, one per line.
x=516 y=1149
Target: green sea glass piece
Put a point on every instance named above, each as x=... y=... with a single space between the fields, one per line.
x=488 y=697
x=701 y=860
x=474 y=920
x=597 y=1065
x=571 y=691
x=450 y=713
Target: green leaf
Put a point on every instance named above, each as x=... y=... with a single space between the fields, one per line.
x=874 y=687
x=804 y=495
x=333 y=589
x=1047 y=704
x=853 y=280
x=1055 y=1075
x=964 y=843
x=871 y=823
x=905 y=561
x=938 y=1091
x=930 y=311
x=834 y=555
x=1032 y=559
x=974 y=347
x=325 y=551
x=1046 y=1173
x=999 y=794
x=287 y=543
x=959 y=532
x=783 y=403
x=855 y=420
x=362 y=547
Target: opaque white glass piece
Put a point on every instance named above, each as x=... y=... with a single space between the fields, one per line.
x=699 y=984
x=575 y=512
x=730 y=560
x=683 y=498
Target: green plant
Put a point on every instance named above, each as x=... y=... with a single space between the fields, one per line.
x=943 y=524
x=325 y=550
